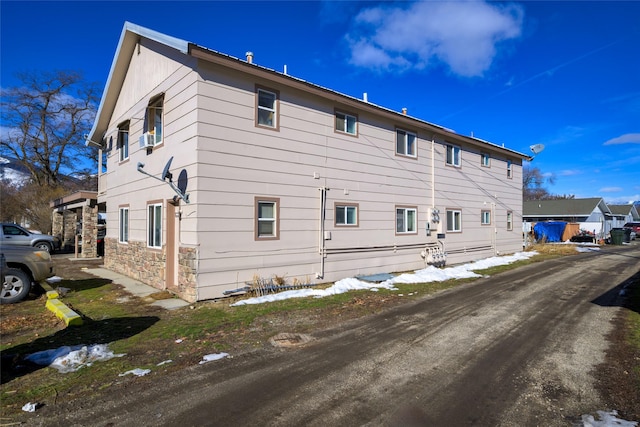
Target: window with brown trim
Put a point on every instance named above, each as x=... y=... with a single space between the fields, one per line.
x=346 y=215
x=267 y=218
x=153 y=119
x=485 y=218
x=453 y=155
x=485 y=160
x=267 y=106
x=123 y=141
x=406 y=143
x=509 y=169
x=346 y=123
x=509 y=220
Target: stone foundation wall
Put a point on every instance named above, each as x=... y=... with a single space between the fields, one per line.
x=148 y=266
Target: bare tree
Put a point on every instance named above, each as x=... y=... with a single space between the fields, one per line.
x=533 y=181
x=44 y=122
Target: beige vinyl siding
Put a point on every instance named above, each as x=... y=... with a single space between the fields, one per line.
x=238 y=161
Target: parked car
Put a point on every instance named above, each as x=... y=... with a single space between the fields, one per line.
x=14 y=235
x=20 y=266
x=635 y=229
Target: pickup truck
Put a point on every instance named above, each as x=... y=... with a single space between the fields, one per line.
x=14 y=235
x=19 y=268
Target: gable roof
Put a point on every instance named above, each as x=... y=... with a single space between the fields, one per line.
x=563 y=207
x=625 y=210
x=131 y=34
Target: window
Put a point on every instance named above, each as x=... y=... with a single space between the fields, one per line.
x=485 y=217
x=346 y=123
x=154 y=225
x=267 y=218
x=485 y=160
x=509 y=220
x=454 y=221
x=406 y=220
x=154 y=119
x=405 y=143
x=346 y=215
x=123 y=234
x=453 y=155
x=509 y=171
x=123 y=141
x=267 y=108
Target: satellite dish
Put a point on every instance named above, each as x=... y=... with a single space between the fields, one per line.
x=165 y=172
x=536 y=148
x=182 y=181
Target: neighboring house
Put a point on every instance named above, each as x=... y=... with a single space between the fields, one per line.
x=591 y=214
x=622 y=214
x=75 y=221
x=284 y=178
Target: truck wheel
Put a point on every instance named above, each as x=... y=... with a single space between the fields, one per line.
x=15 y=287
x=43 y=246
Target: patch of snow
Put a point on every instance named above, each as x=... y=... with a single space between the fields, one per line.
x=71 y=358
x=54 y=279
x=426 y=275
x=607 y=419
x=137 y=372
x=211 y=357
x=30 y=407
x=164 y=362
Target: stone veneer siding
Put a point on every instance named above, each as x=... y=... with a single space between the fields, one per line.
x=137 y=261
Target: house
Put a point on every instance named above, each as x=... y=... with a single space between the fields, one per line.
x=622 y=214
x=222 y=172
x=591 y=214
x=76 y=219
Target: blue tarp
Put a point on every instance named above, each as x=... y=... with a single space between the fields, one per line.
x=552 y=231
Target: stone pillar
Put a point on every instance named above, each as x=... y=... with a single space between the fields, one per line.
x=89 y=231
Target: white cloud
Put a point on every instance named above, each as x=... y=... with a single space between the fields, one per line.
x=462 y=35
x=610 y=190
x=627 y=138
x=569 y=172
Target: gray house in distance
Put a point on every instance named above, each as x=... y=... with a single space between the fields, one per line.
x=284 y=177
x=592 y=214
x=623 y=214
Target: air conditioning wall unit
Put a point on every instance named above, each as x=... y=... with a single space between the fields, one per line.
x=147 y=140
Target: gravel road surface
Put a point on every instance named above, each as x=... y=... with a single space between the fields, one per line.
x=518 y=348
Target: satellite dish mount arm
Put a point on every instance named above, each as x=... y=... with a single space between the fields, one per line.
x=166 y=174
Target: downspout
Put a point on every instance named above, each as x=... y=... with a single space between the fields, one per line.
x=433 y=172
x=321 y=244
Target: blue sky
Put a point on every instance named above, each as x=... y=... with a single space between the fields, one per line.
x=562 y=74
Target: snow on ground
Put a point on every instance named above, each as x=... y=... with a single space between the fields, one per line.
x=429 y=274
x=69 y=359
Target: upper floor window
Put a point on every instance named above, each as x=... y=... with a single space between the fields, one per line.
x=154 y=225
x=346 y=123
x=123 y=141
x=267 y=108
x=485 y=160
x=485 y=218
x=509 y=220
x=509 y=169
x=267 y=218
x=453 y=155
x=406 y=220
x=454 y=220
x=153 y=119
x=405 y=143
x=346 y=215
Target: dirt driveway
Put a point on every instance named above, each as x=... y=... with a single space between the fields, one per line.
x=520 y=348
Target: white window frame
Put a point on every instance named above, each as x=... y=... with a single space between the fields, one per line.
x=485 y=160
x=453 y=155
x=274 y=220
x=342 y=219
x=346 y=118
x=155 y=119
x=510 y=220
x=406 y=143
x=270 y=110
x=123 y=224
x=454 y=221
x=485 y=217
x=123 y=141
x=154 y=225
x=406 y=220
x=509 y=169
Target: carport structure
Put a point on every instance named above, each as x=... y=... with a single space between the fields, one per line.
x=75 y=220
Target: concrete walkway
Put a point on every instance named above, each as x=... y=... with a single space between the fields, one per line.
x=137 y=288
